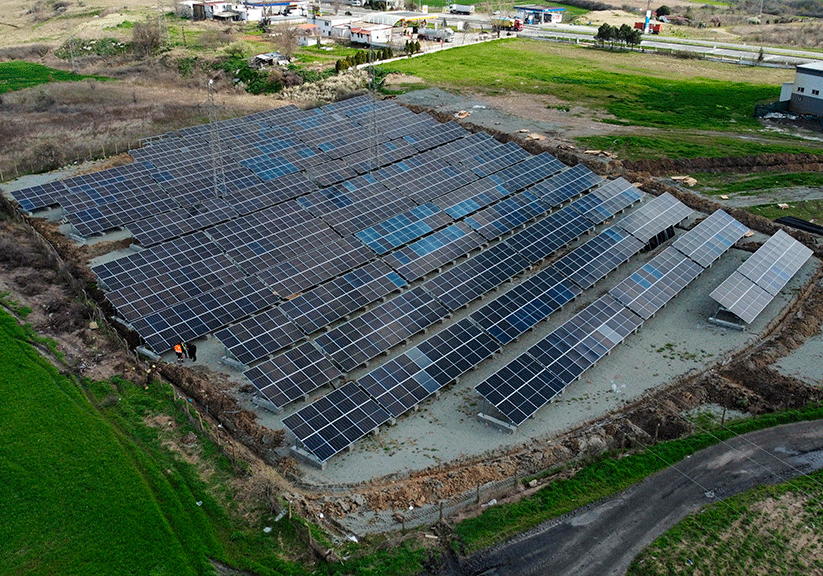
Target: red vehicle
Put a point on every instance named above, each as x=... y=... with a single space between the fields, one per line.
x=507 y=23
x=653 y=28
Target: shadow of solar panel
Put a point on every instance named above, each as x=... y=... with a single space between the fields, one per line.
x=470 y=279
x=260 y=335
x=313 y=267
x=381 y=328
x=427 y=254
x=653 y=285
x=547 y=236
x=336 y=421
x=507 y=215
x=657 y=214
x=337 y=298
x=525 y=305
x=774 y=263
x=592 y=261
x=206 y=313
x=707 y=241
x=742 y=297
x=163 y=290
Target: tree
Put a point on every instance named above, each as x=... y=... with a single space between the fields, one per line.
x=663 y=11
x=285 y=38
x=605 y=33
x=635 y=38
x=145 y=38
x=624 y=33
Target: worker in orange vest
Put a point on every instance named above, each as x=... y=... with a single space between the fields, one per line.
x=178 y=349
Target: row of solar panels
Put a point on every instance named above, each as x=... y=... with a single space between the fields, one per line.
x=300 y=252
x=531 y=380
x=383 y=327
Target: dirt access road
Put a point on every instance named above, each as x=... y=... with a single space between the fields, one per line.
x=603 y=539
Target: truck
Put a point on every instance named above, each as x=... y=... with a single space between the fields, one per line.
x=653 y=28
x=507 y=23
x=466 y=9
x=444 y=34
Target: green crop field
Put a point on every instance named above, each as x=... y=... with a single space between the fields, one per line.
x=16 y=75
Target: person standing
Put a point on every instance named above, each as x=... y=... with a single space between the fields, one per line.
x=178 y=349
x=191 y=348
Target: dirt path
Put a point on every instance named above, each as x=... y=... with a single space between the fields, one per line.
x=603 y=539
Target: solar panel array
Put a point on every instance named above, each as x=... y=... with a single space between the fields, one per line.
x=531 y=380
x=321 y=214
x=751 y=288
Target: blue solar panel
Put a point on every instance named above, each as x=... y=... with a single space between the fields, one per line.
x=550 y=234
x=403 y=228
x=507 y=215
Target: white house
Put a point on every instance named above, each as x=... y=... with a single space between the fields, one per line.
x=327 y=23
x=805 y=94
x=371 y=34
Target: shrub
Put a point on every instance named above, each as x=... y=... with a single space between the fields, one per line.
x=145 y=38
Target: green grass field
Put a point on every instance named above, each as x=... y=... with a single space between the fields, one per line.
x=619 y=83
x=17 y=75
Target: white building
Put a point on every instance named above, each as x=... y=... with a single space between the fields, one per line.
x=332 y=26
x=371 y=34
x=805 y=94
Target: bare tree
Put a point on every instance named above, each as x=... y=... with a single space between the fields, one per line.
x=145 y=38
x=284 y=37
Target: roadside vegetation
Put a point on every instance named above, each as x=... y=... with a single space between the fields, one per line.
x=774 y=530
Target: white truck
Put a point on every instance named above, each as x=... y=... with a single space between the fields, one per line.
x=444 y=34
x=466 y=9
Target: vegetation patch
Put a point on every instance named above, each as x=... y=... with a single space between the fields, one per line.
x=811 y=210
x=774 y=530
x=683 y=145
x=606 y=477
x=743 y=184
x=18 y=75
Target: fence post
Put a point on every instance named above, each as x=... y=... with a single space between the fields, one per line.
x=477 y=498
x=441 y=512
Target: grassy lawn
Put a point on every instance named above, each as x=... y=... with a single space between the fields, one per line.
x=629 y=86
x=684 y=145
x=774 y=530
x=811 y=210
x=17 y=75
x=755 y=183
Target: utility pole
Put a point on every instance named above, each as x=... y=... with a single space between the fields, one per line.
x=218 y=175
x=162 y=28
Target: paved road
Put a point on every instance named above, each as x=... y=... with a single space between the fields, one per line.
x=603 y=540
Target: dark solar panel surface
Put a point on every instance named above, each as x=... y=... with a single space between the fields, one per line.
x=260 y=335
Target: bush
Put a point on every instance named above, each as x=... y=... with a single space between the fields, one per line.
x=145 y=38
x=663 y=11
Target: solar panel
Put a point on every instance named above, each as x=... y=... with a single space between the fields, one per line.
x=427 y=254
x=335 y=421
x=547 y=236
x=40 y=196
x=774 y=263
x=403 y=228
x=316 y=266
x=381 y=328
x=523 y=174
x=707 y=241
x=265 y=194
x=260 y=335
x=661 y=279
x=342 y=296
x=592 y=261
x=507 y=215
x=407 y=380
x=292 y=375
x=525 y=305
x=742 y=297
x=658 y=213
x=470 y=279
x=565 y=185
x=471 y=198
x=497 y=159
x=607 y=200
x=206 y=313
x=166 y=226
x=169 y=288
